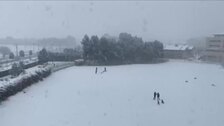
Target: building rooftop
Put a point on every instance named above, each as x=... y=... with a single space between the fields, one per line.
x=219 y=35
x=178 y=47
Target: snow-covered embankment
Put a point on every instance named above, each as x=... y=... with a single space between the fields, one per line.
x=11 y=86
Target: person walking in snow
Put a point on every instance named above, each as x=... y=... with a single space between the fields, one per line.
x=154 y=96
x=105 y=69
x=96 y=71
x=158 y=102
x=162 y=101
x=158 y=96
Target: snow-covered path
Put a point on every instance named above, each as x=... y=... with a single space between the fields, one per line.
x=122 y=97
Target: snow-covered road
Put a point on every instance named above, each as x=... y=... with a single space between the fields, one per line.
x=122 y=97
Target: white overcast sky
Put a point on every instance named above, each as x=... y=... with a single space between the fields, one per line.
x=167 y=21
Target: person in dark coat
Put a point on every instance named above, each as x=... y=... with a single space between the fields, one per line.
x=158 y=102
x=162 y=101
x=96 y=71
x=154 y=97
x=105 y=69
x=158 y=96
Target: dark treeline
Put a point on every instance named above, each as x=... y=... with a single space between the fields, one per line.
x=68 y=54
x=124 y=50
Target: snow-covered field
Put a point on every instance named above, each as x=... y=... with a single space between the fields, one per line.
x=122 y=97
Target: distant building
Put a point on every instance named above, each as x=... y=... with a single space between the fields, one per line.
x=178 y=51
x=215 y=48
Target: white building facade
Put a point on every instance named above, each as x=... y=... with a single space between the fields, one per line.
x=215 y=48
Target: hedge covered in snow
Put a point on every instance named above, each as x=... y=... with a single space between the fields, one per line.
x=32 y=75
x=22 y=83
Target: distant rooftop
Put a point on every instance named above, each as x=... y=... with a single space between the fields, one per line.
x=219 y=35
x=178 y=47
